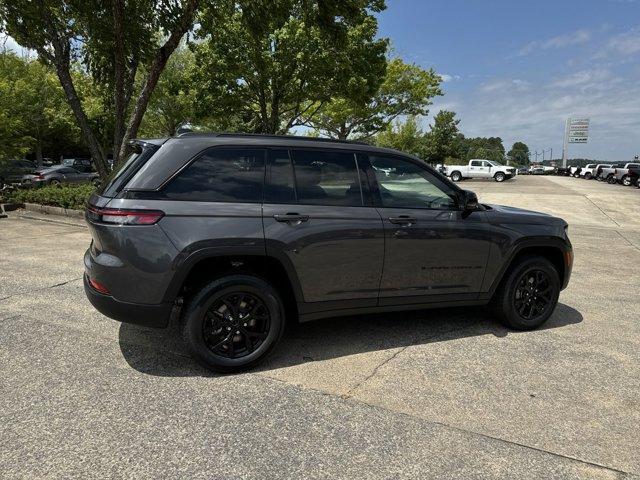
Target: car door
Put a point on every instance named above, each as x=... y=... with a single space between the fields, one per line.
x=71 y=175
x=319 y=220
x=476 y=169
x=433 y=250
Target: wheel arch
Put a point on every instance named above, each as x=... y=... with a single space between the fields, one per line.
x=203 y=266
x=554 y=250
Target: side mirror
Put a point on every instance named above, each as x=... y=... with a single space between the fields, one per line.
x=468 y=200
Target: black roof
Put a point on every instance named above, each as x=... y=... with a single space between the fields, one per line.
x=268 y=136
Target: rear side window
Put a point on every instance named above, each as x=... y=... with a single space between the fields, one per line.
x=221 y=175
x=279 y=186
x=327 y=178
x=476 y=163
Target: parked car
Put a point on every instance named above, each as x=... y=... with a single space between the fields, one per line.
x=17 y=172
x=478 y=168
x=575 y=171
x=522 y=171
x=587 y=171
x=622 y=174
x=633 y=176
x=84 y=165
x=597 y=171
x=233 y=235
x=61 y=174
x=536 y=171
x=608 y=174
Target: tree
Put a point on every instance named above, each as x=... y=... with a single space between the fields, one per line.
x=443 y=139
x=406 y=90
x=114 y=39
x=490 y=148
x=519 y=153
x=271 y=63
x=37 y=116
x=406 y=136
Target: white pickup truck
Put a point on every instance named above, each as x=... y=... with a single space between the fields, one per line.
x=479 y=168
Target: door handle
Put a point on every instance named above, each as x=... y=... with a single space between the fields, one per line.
x=403 y=220
x=293 y=218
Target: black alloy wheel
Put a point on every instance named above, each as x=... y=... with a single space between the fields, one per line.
x=533 y=295
x=233 y=322
x=236 y=324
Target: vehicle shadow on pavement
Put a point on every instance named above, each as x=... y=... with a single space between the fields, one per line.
x=160 y=352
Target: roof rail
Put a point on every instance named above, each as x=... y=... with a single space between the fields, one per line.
x=261 y=135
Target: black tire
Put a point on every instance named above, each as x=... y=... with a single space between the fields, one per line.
x=198 y=318
x=456 y=176
x=499 y=177
x=611 y=179
x=626 y=180
x=516 y=293
x=588 y=176
x=54 y=182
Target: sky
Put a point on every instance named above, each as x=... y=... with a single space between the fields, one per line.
x=517 y=69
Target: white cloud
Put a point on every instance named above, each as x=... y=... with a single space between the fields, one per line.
x=448 y=78
x=535 y=112
x=578 y=37
x=625 y=44
x=8 y=43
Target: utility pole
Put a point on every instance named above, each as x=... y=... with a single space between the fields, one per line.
x=565 y=143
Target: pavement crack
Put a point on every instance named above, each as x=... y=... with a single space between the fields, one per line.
x=603 y=212
x=353 y=389
x=40 y=289
x=627 y=240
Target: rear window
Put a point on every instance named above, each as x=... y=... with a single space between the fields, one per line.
x=221 y=175
x=119 y=176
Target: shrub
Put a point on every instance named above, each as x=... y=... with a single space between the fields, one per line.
x=65 y=196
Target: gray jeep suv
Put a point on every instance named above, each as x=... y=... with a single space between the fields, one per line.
x=231 y=235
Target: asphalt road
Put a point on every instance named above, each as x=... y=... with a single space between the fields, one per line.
x=432 y=394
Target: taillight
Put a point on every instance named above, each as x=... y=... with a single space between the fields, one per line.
x=97 y=286
x=121 y=216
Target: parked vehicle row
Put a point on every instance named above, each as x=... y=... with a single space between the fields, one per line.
x=624 y=173
x=25 y=173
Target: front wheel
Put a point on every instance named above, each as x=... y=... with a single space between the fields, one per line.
x=588 y=176
x=499 y=177
x=233 y=323
x=529 y=294
x=55 y=182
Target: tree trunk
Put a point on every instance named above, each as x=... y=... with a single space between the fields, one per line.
x=119 y=97
x=159 y=62
x=64 y=75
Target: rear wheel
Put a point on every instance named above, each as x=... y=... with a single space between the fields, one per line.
x=499 y=177
x=529 y=294
x=54 y=182
x=233 y=323
x=456 y=176
x=611 y=179
x=626 y=180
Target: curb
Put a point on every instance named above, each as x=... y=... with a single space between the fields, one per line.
x=50 y=210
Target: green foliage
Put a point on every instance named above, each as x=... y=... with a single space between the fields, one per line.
x=405 y=90
x=405 y=136
x=65 y=196
x=263 y=65
x=444 y=138
x=490 y=148
x=519 y=153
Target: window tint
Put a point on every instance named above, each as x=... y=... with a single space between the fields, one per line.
x=221 y=175
x=327 y=178
x=476 y=163
x=279 y=186
x=404 y=184
x=67 y=170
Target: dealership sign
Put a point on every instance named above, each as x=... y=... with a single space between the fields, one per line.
x=578 y=130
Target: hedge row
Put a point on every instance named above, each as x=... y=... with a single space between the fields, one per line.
x=65 y=196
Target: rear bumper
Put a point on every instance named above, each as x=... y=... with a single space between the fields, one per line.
x=156 y=316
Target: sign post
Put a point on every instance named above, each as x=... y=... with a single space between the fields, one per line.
x=576 y=130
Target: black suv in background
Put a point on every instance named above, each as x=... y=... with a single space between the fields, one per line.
x=234 y=234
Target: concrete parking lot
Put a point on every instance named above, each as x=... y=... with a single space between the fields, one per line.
x=431 y=394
